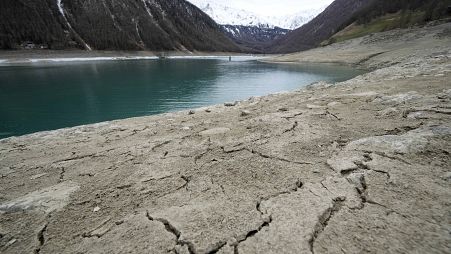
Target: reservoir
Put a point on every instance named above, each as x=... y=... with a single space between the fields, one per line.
x=47 y=96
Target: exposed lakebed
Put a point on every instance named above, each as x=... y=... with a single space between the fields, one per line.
x=46 y=96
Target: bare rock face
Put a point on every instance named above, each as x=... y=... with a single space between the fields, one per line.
x=46 y=200
x=398 y=98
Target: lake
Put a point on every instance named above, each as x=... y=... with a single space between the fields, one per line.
x=46 y=96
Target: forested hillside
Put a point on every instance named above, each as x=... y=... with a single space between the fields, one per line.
x=385 y=15
x=320 y=28
x=109 y=25
x=252 y=38
x=345 y=19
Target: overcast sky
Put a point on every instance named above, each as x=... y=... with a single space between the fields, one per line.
x=275 y=7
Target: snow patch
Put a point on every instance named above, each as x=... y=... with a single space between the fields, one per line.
x=147 y=8
x=61 y=10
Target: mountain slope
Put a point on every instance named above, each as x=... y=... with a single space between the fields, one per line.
x=110 y=24
x=346 y=19
x=330 y=21
x=251 y=38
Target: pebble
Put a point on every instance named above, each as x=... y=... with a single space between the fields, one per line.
x=96 y=209
x=38 y=176
x=245 y=113
x=11 y=242
x=333 y=104
x=311 y=106
x=214 y=131
x=447 y=176
x=230 y=104
x=191 y=112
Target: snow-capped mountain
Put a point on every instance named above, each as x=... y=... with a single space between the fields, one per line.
x=251 y=38
x=228 y=15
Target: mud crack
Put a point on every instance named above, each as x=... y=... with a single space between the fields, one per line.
x=173 y=230
x=267 y=219
x=292 y=116
x=323 y=221
x=160 y=145
x=199 y=156
x=41 y=238
x=278 y=158
x=292 y=128
x=332 y=114
x=63 y=171
x=79 y=157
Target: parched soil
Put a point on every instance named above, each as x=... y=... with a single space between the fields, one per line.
x=361 y=166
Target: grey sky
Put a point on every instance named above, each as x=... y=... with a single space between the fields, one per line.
x=275 y=7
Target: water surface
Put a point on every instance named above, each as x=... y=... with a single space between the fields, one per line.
x=47 y=96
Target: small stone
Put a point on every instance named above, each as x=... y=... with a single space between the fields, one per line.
x=283 y=109
x=232 y=241
x=214 y=131
x=11 y=242
x=96 y=209
x=38 y=176
x=182 y=249
x=389 y=112
x=208 y=110
x=245 y=113
x=191 y=112
x=311 y=106
x=185 y=128
x=447 y=176
x=333 y=104
x=266 y=218
x=231 y=104
x=358 y=180
x=343 y=163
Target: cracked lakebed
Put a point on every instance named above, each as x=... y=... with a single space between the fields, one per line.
x=362 y=166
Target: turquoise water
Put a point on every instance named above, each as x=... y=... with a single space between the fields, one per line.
x=47 y=96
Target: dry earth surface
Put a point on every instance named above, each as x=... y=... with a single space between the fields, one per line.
x=362 y=166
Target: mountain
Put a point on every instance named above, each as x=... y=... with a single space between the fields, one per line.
x=251 y=38
x=385 y=15
x=323 y=26
x=346 y=19
x=110 y=25
x=228 y=15
x=251 y=31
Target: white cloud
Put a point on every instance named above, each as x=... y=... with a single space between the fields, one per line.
x=274 y=7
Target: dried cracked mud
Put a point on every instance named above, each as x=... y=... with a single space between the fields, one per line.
x=361 y=166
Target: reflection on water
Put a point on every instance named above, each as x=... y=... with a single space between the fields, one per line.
x=39 y=97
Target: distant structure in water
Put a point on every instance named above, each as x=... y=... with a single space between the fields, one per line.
x=230 y=58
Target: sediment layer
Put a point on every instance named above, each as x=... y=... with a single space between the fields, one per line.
x=361 y=166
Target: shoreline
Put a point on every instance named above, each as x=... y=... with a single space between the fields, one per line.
x=321 y=169
x=11 y=57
